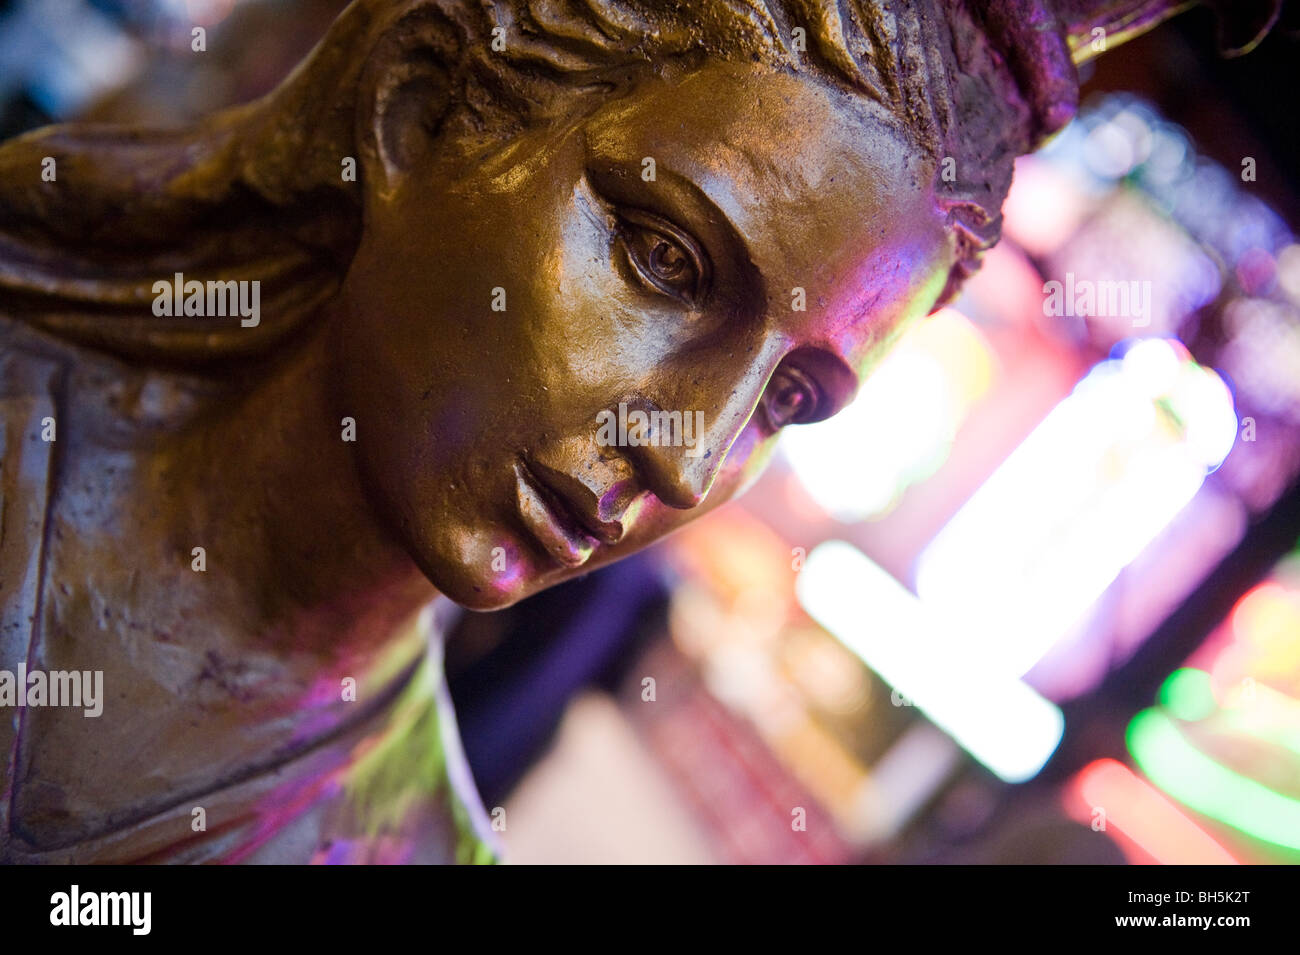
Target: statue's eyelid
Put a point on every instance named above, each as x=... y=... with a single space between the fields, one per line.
x=624 y=215
x=659 y=225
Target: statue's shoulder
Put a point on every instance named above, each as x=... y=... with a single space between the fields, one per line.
x=29 y=411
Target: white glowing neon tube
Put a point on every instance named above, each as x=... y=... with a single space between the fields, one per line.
x=993 y=715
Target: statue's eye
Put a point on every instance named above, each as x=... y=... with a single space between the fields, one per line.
x=791 y=398
x=664 y=256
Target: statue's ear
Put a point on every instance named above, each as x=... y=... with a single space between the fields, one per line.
x=406 y=91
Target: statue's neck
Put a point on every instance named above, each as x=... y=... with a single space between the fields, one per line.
x=273 y=482
x=241 y=504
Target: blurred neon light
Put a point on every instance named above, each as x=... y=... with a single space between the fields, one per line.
x=1144 y=816
x=1266 y=627
x=993 y=715
x=1029 y=554
x=1171 y=762
x=1187 y=694
x=1268 y=614
x=1248 y=707
x=1257 y=710
x=900 y=428
x=1257 y=674
x=902 y=782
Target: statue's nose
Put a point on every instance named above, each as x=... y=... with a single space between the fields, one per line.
x=639 y=445
x=712 y=403
x=680 y=465
x=676 y=479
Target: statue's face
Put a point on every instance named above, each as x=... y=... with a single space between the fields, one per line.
x=498 y=306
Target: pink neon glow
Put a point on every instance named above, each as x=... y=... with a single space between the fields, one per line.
x=1138 y=812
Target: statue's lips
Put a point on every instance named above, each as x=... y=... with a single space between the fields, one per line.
x=549 y=521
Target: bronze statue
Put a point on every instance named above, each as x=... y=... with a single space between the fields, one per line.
x=272 y=383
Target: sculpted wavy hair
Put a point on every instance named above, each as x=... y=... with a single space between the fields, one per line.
x=255 y=192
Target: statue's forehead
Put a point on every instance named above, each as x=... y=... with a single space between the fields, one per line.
x=774 y=150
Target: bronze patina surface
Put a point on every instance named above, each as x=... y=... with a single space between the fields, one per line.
x=475 y=231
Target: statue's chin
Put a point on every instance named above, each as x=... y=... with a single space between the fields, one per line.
x=482 y=575
x=479 y=594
